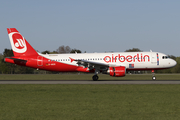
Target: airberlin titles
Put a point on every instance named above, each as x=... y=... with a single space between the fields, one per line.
x=128 y=58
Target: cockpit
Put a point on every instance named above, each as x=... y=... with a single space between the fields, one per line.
x=165 y=57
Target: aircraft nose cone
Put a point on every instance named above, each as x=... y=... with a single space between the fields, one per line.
x=173 y=63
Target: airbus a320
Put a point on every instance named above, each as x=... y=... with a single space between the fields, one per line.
x=115 y=64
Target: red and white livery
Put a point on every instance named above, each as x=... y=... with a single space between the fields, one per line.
x=115 y=64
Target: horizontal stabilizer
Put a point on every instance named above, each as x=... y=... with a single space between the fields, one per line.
x=16 y=59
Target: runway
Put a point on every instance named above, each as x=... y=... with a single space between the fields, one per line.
x=88 y=82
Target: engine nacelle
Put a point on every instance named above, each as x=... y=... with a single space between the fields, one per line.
x=119 y=71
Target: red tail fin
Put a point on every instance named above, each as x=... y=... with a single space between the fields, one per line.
x=19 y=44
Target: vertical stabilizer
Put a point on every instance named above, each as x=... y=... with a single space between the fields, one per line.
x=19 y=44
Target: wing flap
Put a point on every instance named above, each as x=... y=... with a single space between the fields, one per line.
x=90 y=63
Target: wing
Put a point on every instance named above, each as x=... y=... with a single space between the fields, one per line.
x=91 y=65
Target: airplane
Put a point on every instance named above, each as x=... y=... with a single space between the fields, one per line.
x=114 y=64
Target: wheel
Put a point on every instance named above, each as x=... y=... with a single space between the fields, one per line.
x=153 y=78
x=95 y=77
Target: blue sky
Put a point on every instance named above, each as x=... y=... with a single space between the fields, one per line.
x=94 y=25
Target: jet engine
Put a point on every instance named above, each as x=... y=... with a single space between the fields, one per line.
x=119 y=71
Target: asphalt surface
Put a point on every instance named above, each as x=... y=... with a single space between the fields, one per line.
x=87 y=82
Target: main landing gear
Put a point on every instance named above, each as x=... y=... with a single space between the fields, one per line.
x=95 y=77
x=153 y=75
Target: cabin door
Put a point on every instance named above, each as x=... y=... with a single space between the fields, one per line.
x=153 y=58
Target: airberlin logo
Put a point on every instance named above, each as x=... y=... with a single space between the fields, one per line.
x=18 y=42
x=128 y=58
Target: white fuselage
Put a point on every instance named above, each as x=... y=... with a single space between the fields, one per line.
x=131 y=60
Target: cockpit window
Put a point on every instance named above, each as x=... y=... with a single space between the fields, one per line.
x=165 y=57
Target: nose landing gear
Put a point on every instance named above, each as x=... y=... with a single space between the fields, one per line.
x=153 y=75
x=154 y=78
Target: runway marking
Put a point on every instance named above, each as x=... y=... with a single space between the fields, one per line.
x=87 y=82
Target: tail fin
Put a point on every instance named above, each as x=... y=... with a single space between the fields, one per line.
x=19 y=44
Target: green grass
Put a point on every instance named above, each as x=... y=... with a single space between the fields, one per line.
x=86 y=77
x=89 y=102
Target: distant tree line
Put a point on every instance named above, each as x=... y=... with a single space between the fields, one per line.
x=8 y=68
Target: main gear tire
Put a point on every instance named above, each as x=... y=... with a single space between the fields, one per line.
x=95 y=78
